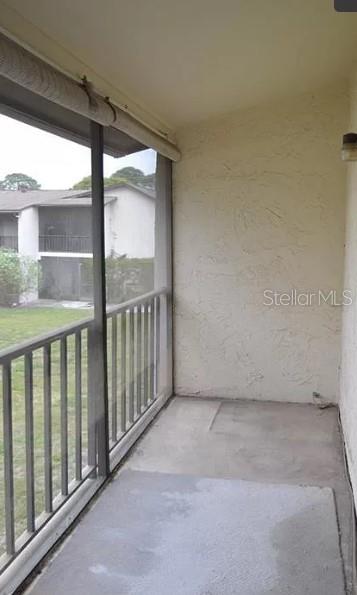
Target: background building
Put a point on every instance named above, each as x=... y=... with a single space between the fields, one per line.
x=54 y=228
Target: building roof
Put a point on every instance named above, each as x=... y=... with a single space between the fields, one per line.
x=17 y=200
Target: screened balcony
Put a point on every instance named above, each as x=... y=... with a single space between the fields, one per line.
x=8 y=231
x=65 y=229
x=200 y=438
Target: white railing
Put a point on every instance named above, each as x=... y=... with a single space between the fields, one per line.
x=65 y=243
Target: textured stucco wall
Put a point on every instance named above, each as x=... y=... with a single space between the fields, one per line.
x=259 y=204
x=348 y=397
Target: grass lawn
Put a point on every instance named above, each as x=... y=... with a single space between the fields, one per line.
x=18 y=325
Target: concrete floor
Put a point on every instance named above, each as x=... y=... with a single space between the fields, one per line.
x=256 y=441
x=269 y=443
x=159 y=533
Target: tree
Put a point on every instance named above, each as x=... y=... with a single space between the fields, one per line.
x=130 y=174
x=19 y=181
x=125 y=174
x=86 y=183
x=135 y=176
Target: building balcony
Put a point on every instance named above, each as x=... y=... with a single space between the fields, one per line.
x=199 y=439
x=64 y=243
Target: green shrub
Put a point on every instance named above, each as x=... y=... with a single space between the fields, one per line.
x=18 y=275
x=126 y=278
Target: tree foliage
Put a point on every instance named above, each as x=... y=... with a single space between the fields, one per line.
x=19 y=181
x=84 y=184
x=18 y=275
x=130 y=174
x=125 y=174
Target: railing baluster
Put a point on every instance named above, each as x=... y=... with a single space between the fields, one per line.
x=114 y=378
x=123 y=372
x=138 y=359
x=152 y=348
x=29 y=433
x=64 y=416
x=8 y=460
x=91 y=412
x=146 y=354
x=157 y=346
x=47 y=410
x=78 y=404
x=131 y=365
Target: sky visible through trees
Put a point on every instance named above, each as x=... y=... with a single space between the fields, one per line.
x=23 y=182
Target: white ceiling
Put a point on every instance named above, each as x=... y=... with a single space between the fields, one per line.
x=183 y=61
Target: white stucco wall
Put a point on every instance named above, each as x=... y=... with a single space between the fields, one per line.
x=348 y=398
x=259 y=204
x=28 y=229
x=131 y=224
x=108 y=236
x=28 y=243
